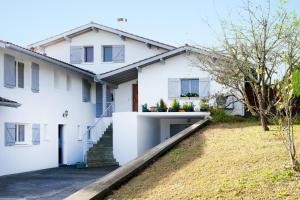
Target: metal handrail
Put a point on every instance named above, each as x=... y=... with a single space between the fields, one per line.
x=84 y=153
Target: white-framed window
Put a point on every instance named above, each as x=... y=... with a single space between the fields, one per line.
x=88 y=54
x=20 y=133
x=20 y=73
x=189 y=87
x=107 y=53
x=88 y=128
x=113 y=53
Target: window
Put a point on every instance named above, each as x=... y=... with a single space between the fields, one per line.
x=20 y=133
x=189 y=87
x=113 y=53
x=86 y=90
x=89 y=132
x=107 y=54
x=88 y=54
x=20 y=67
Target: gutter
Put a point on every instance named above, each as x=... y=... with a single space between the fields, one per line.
x=9 y=104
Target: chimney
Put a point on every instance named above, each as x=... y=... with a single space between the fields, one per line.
x=122 y=23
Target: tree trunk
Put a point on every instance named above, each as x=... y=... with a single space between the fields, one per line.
x=262 y=116
x=263 y=121
x=290 y=138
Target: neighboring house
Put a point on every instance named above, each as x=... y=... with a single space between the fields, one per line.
x=62 y=93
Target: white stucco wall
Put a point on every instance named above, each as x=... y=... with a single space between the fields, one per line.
x=134 y=133
x=134 y=50
x=44 y=108
x=125 y=138
x=153 y=81
x=123 y=97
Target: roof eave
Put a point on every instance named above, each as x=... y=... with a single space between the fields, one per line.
x=47 y=59
x=89 y=27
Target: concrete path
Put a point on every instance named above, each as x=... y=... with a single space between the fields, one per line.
x=56 y=183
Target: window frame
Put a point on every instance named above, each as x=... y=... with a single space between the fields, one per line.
x=85 y=54
x=17 y=73
x=17 y=136
x=189 y=87
x=103 y=52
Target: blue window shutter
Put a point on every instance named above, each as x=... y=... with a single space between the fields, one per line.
x=9 y=71
x=173 y=88
x=10 y=134
x=35 y=134
x=204 y=87
x=35 y=77
x=99 y=100
x=76 y=54
x=118 y=52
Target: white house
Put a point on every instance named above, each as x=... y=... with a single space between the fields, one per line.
x=48 y=103
x=57 y=98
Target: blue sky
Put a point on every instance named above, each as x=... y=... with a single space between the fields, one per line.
x=175 y=22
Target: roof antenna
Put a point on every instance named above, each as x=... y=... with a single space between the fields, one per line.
x=122 y=23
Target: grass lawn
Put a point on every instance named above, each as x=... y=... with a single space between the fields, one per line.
x=223 y=161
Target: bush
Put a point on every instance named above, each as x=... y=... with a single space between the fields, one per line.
x=219 y=115
x=204 y=106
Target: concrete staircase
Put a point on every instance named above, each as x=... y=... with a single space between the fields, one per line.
x=101 y=154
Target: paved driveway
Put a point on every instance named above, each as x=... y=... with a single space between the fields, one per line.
x=56 y=183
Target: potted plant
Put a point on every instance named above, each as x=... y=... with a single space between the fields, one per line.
x=185 y=107
x=153 y=109
x=175 y=106
x=190 y=94
x=161 y=106
x=191 y=107
x=204 y=106
x=145 y=108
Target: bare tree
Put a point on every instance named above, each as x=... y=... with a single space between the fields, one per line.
x=250 y=55
x=285 y=95
x=261 y=52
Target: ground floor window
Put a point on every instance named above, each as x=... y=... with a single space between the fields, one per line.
x=20 y=133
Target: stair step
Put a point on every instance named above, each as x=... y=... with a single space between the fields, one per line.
x=102 y=165
x=101 y=148
x=101 y=154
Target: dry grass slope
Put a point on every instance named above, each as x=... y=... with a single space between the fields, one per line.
x=227 y=161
